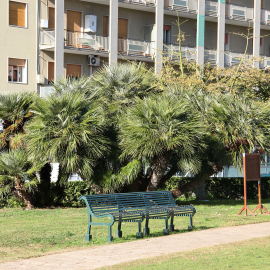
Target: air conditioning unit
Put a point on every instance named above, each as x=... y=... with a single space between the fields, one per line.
x=90 y=23
x=93 y=60
x=40 y=79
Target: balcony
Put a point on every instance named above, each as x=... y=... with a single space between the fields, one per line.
x=182 y=5
x=140 y=2
x=239 y=13
x=85 y=43
x=232 y=59
x=172 y=52
x=211 y=8
x=210 y=56
x=265 y=16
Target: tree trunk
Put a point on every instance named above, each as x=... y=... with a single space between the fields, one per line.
x=158 y=170
x=23 y=195
x=141 y=182
x=200 y=193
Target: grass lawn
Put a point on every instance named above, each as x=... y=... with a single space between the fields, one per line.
x=248 y=255
x=38 y=232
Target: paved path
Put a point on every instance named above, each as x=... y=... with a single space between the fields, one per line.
x=95 y=257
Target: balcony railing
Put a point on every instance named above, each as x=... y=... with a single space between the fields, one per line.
x=233 y=59
x=47 y=38
x=142 y=2
x=172 y=52
x=210 y=56
x=86 y=41
x=239 y=13
x=211 y=8
x=182 y=5
x=265 y=16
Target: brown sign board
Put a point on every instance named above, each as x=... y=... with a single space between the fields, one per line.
x=252 y=167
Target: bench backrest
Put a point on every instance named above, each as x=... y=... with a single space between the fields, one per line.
x=111 y=203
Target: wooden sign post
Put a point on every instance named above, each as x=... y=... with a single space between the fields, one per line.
x=252 y=172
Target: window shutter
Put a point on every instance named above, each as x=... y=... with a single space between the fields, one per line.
x=74 y=70
x=167 y=27
x=17 y=13
x=50 y=71
x=16 y=62
x=226 y=38
x=122 y=28
x=74 y=21
x=105 y=25
x=51 y=18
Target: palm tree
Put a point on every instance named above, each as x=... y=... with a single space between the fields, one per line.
x=236 y=125
x=14 y=112
x=162 y=130
x=68 y=129
x=15 y=171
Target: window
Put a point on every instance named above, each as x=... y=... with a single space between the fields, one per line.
x=17 y=14
x=17 y=70
x=166 y=34
x=74 y=71
x=226 y=42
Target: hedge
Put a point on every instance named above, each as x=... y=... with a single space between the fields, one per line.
x=215 y=188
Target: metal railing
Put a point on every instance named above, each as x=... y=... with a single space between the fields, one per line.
x=233 y=59
x=265 y=16
x=172 y=52
x=239 y=13
x=142 y=2
x=47 y=37
x=210 y=56
x=182 y=5
x=211 y=8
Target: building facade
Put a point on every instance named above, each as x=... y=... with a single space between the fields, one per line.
x=46 y=39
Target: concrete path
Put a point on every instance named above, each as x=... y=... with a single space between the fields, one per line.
x=95 y=257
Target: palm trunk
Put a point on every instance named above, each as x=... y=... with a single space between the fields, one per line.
x=158 y=170
x=22 y=194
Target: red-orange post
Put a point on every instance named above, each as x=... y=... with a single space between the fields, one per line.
x=245 y=207
x=260 y=206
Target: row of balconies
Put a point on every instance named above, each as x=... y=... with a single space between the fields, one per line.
x=90 y=43
x=234 y=12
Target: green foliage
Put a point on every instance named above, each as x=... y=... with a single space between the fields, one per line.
x=72 y=192
x=224 y=188
x=14 y=111
x=68 y=129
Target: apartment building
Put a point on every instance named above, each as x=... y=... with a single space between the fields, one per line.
x=46 y=39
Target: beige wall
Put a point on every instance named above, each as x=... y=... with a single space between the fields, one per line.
x=18 y=42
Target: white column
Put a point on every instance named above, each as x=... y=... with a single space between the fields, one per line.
x=256 y=31
x=59 y=39
x=221 y=33
x=113 y=32
x=200 y=32
x=159 y=35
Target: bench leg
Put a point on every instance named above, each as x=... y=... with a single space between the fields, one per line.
x=139 y=233
x=109 y=237
x=191 y=224
x=88 y=236
x=166 y=230
x=146 y=230
x=171 y=227
x=119 y=232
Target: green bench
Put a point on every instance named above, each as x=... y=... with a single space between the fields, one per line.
x=134 y=207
